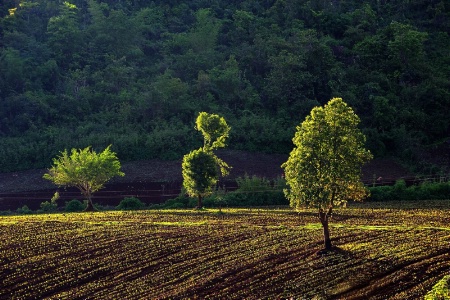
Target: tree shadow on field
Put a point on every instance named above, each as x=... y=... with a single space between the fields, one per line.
x=335 y=251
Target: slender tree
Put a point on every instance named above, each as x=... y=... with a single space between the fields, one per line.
x=201 y=168
x=200 y=174
x=324 y=168
x=84 y=169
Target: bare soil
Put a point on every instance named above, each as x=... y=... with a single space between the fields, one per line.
x=263 y=253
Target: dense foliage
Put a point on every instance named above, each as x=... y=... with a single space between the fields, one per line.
x=250 y=192
x=201 y=168
x=400 y=191
x=134 y=74
x=200 y=174
x=84 y=169
x=130 y=203
x=324 y=168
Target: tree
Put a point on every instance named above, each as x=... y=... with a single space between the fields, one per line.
x=214 y=129
x=64 y=36
x=85 y=170
x=200 y=174
x=201 y=168
x=324 y=168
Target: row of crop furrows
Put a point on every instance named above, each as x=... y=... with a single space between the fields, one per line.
x=174 y=255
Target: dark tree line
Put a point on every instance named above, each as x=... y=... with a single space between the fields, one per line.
x=135 y=73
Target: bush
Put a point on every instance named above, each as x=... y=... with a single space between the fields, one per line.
x=251 y=191
x=434 y=190
x=176 y=205
x=380 y=193
x=24 y=210
x=74 y=206
x=440 y=291
x=130 y=203
x=181 y=201
x=48 y=206
x=256 y=191
x=399 y=191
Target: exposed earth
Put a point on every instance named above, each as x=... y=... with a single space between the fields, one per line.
x=154 y=181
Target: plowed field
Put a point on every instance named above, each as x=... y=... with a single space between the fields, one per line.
x=383 y=251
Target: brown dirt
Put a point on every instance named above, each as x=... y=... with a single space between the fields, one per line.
x=250 y=254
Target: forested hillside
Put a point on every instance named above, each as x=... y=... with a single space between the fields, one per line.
x=135 y=73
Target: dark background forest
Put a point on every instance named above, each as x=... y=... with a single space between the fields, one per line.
x=135 y=74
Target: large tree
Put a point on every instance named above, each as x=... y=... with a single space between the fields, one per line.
x=324 y=168
x=84 y=169
x=201 y=168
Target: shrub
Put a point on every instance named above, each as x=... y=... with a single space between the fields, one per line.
x=24 y=210
x=440 y=291
x=435 y=190
x=74 y=206
x=176 y=205
x=380 y=193
x=256 y=191
x=220 y=202
x=182 y=201
x=253 y=184
x=251 y=191
x=399 y=191
x=48 y=206
x=130 y=203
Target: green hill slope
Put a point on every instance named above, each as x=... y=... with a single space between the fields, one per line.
x=135 y=74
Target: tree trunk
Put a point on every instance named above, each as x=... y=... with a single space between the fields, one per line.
x=323 y=216
x=199 y=203
x=90 y=205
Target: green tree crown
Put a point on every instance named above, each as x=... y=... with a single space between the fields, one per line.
x=324 y=168
x=201 y=168
x=84 y=169
x=200 y=172
x=214 y=128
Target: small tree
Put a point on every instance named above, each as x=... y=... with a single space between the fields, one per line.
x=200 y=174
x=324 y=168
x=85 y=170
x=201 y=168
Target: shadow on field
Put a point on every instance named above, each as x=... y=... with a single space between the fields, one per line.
x=335 y=251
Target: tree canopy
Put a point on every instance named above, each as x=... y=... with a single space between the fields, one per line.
x=324 y=168
x=201 y=168
x=214 y=129
x=200 y=174
x=84 y=169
